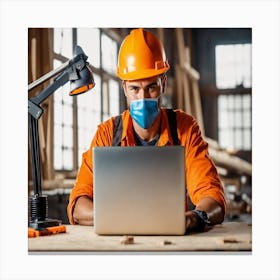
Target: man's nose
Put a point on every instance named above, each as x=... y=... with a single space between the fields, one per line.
x=143 y=93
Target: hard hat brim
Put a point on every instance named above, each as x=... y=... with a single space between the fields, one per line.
x=138 y=75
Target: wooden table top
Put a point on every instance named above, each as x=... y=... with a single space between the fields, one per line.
x=224 y=237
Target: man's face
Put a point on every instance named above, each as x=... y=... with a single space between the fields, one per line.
x=146 y=88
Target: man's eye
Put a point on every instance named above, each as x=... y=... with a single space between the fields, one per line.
x=152 y=88
x=133 y=88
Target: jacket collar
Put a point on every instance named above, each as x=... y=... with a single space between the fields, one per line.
x=165 y=138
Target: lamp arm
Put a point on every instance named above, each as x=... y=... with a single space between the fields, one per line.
x=43 y=95
x=70 y=68
x=78 y=62
x=48 y=76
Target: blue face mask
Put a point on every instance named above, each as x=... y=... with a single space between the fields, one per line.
x=144 y=111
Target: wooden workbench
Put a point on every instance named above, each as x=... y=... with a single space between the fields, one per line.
x=225 y=237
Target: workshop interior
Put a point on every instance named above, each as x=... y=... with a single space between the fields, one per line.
x=210 y=77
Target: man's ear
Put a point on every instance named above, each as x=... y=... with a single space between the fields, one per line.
x=124 y=87
x=163 y=83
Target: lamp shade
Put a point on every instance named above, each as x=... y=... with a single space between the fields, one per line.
x=84 y=83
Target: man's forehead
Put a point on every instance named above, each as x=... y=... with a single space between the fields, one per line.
x=143 y=81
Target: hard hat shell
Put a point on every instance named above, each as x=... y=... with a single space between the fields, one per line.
x=141 y=56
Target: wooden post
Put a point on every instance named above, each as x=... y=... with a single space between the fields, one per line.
x=187 y=82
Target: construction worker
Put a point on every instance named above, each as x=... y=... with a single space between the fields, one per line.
x=142 y=67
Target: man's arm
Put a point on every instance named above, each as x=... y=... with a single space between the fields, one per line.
x=83 y=211
x=211 y=207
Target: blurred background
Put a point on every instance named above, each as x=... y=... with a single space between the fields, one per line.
x=210 y=78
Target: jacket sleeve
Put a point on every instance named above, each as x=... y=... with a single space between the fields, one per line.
x=201 y=174
x=84 y=182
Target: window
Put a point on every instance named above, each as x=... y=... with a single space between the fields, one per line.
x=233 y=80
x=109 y=55
x=76 y=118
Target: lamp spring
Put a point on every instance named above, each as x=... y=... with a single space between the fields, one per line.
x=38 y=208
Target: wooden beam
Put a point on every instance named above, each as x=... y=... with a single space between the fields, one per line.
x=179 y=85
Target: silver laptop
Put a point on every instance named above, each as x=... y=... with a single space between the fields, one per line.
x=139 y=190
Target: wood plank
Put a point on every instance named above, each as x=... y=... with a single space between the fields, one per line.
x=233 y=163
x=224 y=237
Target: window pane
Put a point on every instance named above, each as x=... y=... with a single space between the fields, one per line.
x=246 y=102
x=57 y=111
x=247 y=139
x=230 y=119
x=67 y=115
x=222 y=102
x=114 y=97
x=247 y=119
x=238 y=139
x=68 y=137
x=223 y=119
x=67 y=99
x=223 y=138
x=57 y=158
x=105 y=103
x=230 y=100
x=247 y=65
x=238 y=119
x=63 y=41
x=226 y=138
x=58 y=135
x=109 y=54
x=238 y=101
x=89 y=40
x=67 y=158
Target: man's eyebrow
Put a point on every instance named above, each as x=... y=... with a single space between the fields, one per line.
x=151 y=84
x=133 y=86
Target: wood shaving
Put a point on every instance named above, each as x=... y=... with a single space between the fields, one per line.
x=127 y=240
x=165 y=242
x=230 y=240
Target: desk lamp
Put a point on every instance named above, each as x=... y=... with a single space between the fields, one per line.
x=81 y=80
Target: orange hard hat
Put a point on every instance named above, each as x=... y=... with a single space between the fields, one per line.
x=141 y=56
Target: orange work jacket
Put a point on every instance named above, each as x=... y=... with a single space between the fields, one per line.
x=202 y=179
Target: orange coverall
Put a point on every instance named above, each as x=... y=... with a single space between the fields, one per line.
x=201 y=175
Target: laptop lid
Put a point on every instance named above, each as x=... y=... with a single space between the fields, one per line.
x=139 y=190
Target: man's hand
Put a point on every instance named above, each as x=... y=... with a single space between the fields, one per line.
x=192 y=222
x=83 y=211
x=213 y=210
